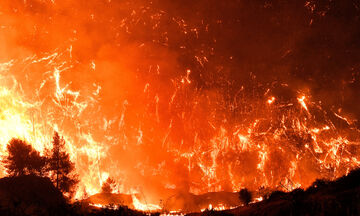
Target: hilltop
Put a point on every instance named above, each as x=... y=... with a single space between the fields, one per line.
x=339 y=197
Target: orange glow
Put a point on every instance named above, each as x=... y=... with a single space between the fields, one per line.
x=144 y=207
x=271 y=100
x=302 y=102
x=135 y=106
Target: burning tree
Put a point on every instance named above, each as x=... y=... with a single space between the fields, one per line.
x=22 y=159
x=108 y=185
x=60 y=167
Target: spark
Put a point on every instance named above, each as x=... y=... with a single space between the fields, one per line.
x=302 y=102
x=271 y=100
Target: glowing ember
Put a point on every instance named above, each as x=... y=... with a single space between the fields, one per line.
x=166 y=104
x=271 y=100
x=302 y=102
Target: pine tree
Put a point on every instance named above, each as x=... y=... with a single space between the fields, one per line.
x=60 y=167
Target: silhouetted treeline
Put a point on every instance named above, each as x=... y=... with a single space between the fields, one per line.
x=36 y=184
x=23 y=159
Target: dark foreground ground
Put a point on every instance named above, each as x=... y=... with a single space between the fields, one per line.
x=32 y=195
x=340 y=197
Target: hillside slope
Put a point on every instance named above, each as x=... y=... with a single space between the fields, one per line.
x=340 y=197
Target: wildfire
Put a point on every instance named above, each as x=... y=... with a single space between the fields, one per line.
x=21 y=116
x=129 y=108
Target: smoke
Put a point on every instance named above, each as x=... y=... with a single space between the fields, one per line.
x=161 y=91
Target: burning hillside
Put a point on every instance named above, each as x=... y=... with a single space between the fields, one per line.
x=184 y=97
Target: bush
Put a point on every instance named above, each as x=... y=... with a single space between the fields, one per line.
x=245 y=196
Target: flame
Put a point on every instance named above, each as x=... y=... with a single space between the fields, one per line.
x=218 y=207
x=302 y=102
x=22 y=116
x=144 y=207
x=151 y=120
x=97 y=205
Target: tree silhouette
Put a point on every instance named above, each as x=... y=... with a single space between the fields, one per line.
x=22 y=159
x=108 y=185
x=245 y=196
x=60 y=167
